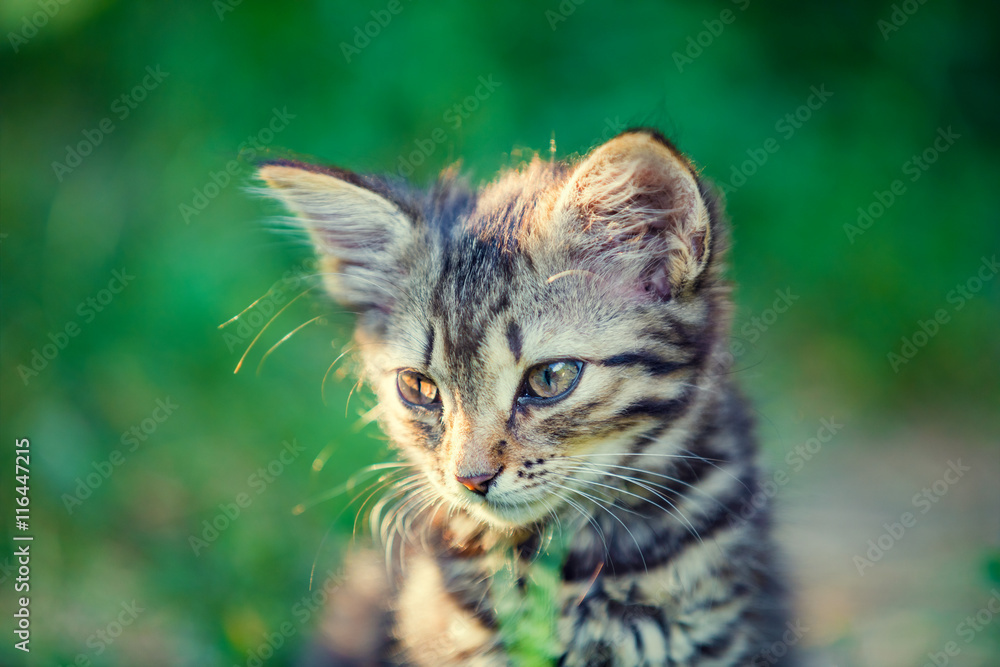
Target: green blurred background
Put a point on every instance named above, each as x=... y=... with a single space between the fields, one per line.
x=120 y=120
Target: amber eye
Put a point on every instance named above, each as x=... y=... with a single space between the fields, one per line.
x=417 y=389
x=551 y=380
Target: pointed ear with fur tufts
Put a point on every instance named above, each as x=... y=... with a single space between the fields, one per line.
x=359 y=234
x=632 y=208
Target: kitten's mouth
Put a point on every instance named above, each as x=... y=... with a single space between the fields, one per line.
x=509 y=515
x=504 y=510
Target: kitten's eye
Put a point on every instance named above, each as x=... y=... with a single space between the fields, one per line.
x=552 y=380
x=417 y=389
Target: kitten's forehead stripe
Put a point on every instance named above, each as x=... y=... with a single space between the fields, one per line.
x=476 y=281
x=514 y=339
x=429 y=347
x=502 y=305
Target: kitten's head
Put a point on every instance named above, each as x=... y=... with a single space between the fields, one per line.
x=522 y=336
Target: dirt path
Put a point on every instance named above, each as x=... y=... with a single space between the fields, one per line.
x=931 y=507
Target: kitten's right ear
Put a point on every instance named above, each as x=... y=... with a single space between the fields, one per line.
x=359 y=235
x=633 y=208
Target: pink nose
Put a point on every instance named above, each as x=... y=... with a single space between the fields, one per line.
x=477 y=483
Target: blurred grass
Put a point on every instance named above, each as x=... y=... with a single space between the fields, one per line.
x=600 y=68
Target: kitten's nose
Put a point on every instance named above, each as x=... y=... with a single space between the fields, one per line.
x=477 y=483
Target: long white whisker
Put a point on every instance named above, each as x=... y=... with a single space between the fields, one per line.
x=394 y=484
x=679 y=514
x=586 y=516
x=602 y=466
x=625 y=454
x=613 y=516
x=345 y=487
x=711 y=463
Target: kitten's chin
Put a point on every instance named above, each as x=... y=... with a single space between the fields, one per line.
x=507 y=517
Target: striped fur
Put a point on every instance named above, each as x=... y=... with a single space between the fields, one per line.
x=615 y=261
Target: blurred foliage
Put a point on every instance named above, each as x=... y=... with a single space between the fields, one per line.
x=579 y=76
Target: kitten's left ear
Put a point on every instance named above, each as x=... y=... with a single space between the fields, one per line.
x=359 y=235
x=633 y=208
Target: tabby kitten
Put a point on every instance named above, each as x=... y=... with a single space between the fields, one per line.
x=550 y=355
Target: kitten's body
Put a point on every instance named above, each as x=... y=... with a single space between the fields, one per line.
x=644 y=464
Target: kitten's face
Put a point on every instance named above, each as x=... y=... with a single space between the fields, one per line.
x=521 y=338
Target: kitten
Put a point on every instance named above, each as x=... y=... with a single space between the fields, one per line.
x=550 y=355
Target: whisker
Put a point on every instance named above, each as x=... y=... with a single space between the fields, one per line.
x=266 y=294
x=656 y=474
x=550 y=511
x=613 y=516
x=613 y=501
x=588 y=517
x=323 y=457
x=392 y=523
x=240 y=314
x=283 y=339
x=319 y=550
x=429 y=500
x=679 y=514
x=571 y=272
x=333 y=493
x=624 y=454
x=711 y=463
x=347 y=406
x=322 y=385
x=269 y=322
x=390 y=483
x=397 y=489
